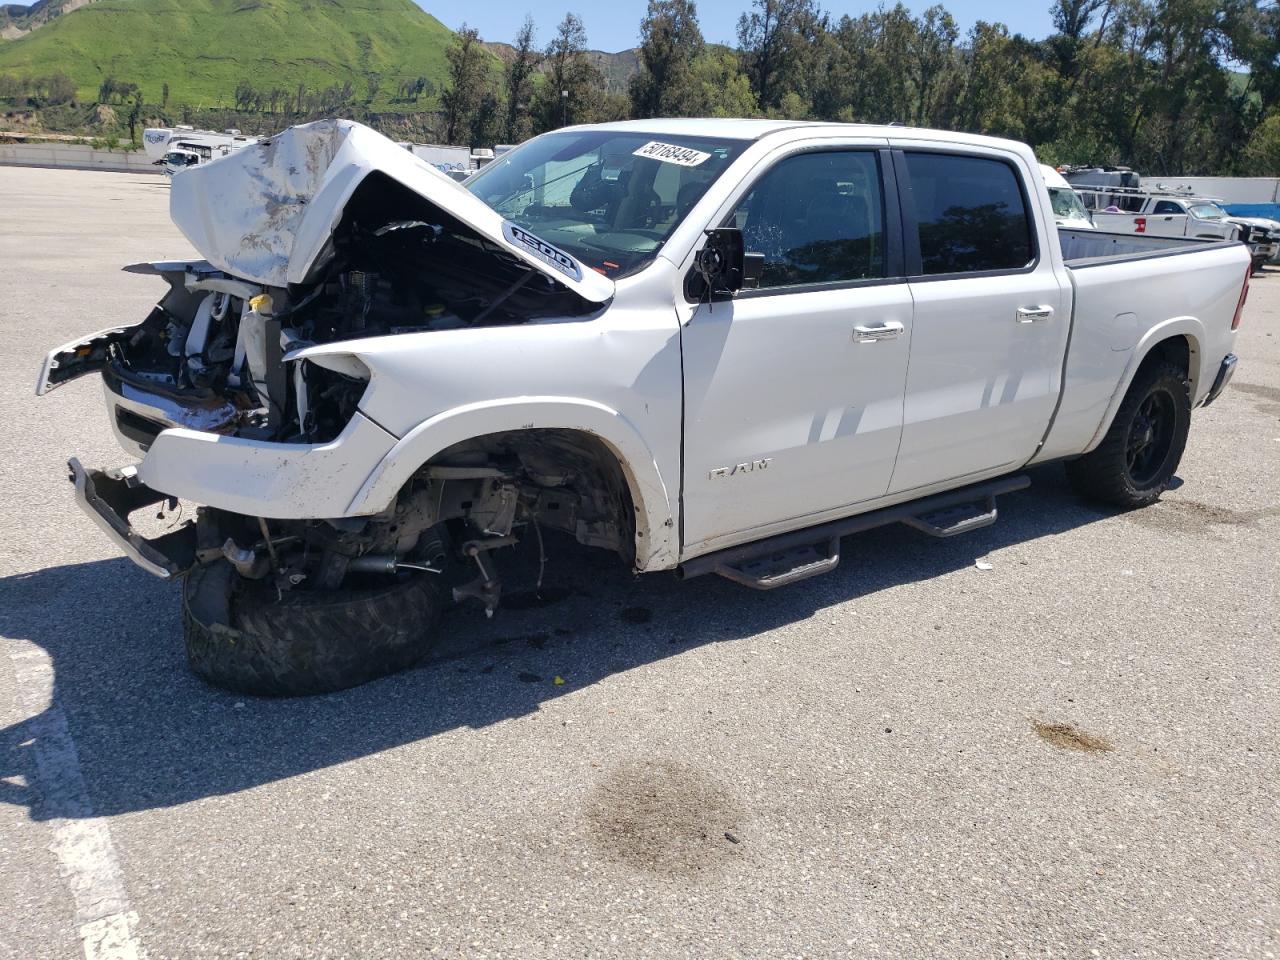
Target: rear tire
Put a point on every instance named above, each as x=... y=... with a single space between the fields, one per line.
x=240 y=636
x=1137 y=458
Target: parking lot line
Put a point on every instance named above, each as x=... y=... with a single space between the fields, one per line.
x=81 y=841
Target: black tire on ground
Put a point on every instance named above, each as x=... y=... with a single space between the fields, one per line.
x=1137 y=458
x=241 y=637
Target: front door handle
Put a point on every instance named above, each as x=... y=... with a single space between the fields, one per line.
x=1032 y=314
x=880 y=331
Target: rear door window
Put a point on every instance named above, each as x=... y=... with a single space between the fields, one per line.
x=971 y=212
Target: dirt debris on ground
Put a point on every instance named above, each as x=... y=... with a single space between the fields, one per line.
x=1066 y=736
x=663 y=818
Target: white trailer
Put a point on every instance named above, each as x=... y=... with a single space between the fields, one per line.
x=445 y=158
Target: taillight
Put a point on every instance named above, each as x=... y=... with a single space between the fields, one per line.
x=1244 y=295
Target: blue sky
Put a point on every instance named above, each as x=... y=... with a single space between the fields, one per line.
x=615 y=25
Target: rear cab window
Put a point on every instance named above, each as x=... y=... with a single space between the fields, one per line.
x=971 y=213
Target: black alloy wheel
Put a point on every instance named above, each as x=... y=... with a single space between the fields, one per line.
x=1150 y=437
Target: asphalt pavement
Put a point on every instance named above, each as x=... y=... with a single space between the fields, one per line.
x=1070 y=754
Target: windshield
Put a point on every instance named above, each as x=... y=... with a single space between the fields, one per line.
x=1207 y=211
x=610 y=199
x=1067 y=204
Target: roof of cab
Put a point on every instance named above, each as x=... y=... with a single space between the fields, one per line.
x=705 y=127
x=734 y=129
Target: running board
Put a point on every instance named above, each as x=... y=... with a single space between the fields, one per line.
x=791 y=557
x=950 y=521
x=780 y=568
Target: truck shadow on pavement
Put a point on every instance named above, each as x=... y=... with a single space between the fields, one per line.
x=150 y=735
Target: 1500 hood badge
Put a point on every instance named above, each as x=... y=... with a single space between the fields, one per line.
x=749 y=466
x=541 y=249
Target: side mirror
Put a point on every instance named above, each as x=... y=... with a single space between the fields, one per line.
x=719 y=262
x=723 y=266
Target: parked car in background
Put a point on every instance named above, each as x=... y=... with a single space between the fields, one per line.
x=1253 y=231
x=176 y=160
x=1068 y=209
x=1154 y=217
x=1121 y=205
x=1239 y=196
x=1254 y=198
x=704 y=346
x=1262 y=234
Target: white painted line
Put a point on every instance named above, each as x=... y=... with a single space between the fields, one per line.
x=111 y=938
x=81 y=841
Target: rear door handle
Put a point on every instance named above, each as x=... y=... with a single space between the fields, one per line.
x=1032 y=314
x=881 y=331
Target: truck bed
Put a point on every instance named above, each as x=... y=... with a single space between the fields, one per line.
x=1084 y=248
x=1126 y=293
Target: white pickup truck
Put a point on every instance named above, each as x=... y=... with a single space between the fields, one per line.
x=708 y=346
x=1167 y=216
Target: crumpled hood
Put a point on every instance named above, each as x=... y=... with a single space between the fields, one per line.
x=266 y=212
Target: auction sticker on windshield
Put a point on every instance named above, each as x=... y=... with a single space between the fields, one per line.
x=670 y=153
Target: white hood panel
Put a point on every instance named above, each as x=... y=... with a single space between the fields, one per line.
x=266 y=212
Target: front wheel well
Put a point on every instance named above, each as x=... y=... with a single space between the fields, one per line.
x=560 y=478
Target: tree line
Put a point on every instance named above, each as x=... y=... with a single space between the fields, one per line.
x=49 y=90
x=1166 y=86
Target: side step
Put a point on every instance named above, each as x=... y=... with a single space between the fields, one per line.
x=791 y=557
x=950 y=521
x=785 y=566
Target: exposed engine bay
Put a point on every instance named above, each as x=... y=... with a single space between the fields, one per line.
x=215 y=345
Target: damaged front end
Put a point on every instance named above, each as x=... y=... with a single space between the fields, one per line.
x=324 y=234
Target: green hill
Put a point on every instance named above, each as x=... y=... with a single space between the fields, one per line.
x=203 y=48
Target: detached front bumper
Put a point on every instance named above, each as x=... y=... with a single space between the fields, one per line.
x=109 y=496
x=255 y=478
